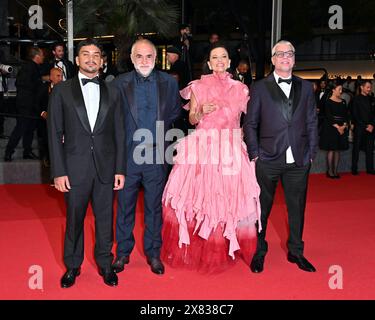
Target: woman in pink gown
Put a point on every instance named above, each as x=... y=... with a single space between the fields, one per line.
x=211 y=199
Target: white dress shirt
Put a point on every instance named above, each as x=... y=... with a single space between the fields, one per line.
x=59 y=64
x=286 y=89
x=91 y=96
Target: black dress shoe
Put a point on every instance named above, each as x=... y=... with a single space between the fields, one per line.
x=301 y=262
x=156 y=265
x=109 y=277
x=30 y=156
x=119 y=264
x=256 y=264
x=355 y=172
x=370 y=172
x=69 y=278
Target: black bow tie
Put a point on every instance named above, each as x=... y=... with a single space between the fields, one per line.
x=288 y=81
x=93 y=80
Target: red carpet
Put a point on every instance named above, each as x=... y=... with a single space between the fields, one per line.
x=339 y=230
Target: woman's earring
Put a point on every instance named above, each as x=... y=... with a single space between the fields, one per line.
x=209 y=66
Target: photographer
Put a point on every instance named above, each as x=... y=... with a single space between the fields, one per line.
x=184 y=44
x=4 y=70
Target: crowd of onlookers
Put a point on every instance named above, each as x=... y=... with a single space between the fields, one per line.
x=346 y=113
x=34 y=82
x=345 y=107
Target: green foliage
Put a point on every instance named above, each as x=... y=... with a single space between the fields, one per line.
x=125 y=17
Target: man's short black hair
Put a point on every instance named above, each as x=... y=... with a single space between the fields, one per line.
x=89 y=42
x=57 y=44
x=184 y=26
x=243 y=61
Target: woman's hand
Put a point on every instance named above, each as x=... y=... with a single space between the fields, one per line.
x=208 y=108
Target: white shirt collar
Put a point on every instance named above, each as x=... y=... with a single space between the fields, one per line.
x=82 y=76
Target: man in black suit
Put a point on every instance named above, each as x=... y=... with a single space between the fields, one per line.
x=363 y=115
x=178 y=68
x=28 y=83
x=243 y=73
x=59 y=61
x=3 y=89
x=151 y=103
x=108 y=71
x=180 y=72
x=55 y=77
x=281 y=135
x=86 y=137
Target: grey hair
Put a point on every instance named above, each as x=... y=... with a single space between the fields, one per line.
x=146 y=41
x=282 y=42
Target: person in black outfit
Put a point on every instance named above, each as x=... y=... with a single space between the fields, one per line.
x=3 y=89
x=321 y=96
x=55 y=76
x=334 y=133
x=61 y=62
x=180 y=71
x=27 y=83
x=280 y=131
x=184 y=44
x=363 y=115
x=178 y=67
x=243 y=73
x=108 y=71
x=86 y=136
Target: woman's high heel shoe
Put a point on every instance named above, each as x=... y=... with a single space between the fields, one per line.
x=330 y=176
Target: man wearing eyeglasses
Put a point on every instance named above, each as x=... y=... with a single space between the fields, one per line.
x=280 y=130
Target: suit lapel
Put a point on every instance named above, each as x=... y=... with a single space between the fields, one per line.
x=129 y=92
x=162 y=94
x=79 y=104
x=297 y=87
x=103 y=106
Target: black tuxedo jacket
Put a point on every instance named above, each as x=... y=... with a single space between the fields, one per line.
x=363 y=112
x=71 y=141
x=247 y=78
x=69 y=66
x=169 y=105
x=268 y=133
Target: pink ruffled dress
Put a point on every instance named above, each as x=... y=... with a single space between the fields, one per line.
x=211 y=199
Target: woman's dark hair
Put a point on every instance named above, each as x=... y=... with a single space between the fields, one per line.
x=333 y=84
x=89 y=42
x=219 y=44
x=215 y=46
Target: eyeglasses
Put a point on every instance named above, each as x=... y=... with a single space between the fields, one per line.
x=282 y=54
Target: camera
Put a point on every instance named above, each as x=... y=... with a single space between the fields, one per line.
x=5 y=68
